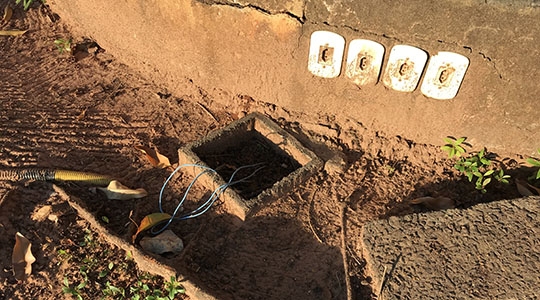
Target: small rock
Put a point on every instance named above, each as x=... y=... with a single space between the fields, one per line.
x=241 y=114
x=165 y=242
x=336 y=164
x=53 y=218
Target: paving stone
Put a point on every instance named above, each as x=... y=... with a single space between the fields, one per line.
x=489 y=251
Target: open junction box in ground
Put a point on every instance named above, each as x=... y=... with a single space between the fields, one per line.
x=254 y=139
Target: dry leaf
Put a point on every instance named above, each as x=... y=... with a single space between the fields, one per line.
x=116 y=190
x=12 y=32
x=150 y=221
x=8 y=12
x=526 y=189
x=434 y=203
x=22 y=257
x=155 y=158
x=42 y=213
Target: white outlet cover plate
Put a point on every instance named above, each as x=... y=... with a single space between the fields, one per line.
x=328 y=66
x=444 y=75
x=404 y=68
x=364 y=61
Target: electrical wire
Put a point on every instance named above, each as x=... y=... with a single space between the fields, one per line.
x=203 y=208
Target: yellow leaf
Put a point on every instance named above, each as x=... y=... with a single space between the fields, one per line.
x=150 y=221
x=116 y=190
x=8 y=12
x=22 y=258
x=12 y=32
x=154 y=157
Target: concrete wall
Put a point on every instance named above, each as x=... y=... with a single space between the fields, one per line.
x=260 y=48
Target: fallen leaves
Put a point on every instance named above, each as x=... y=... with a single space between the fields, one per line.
x=12 y=32
x=22 y=258
x=150 y=221
x=117 y=191
x=154 y=157
x=8 y=12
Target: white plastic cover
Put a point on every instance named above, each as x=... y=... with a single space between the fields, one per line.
x=326 y=54
x=444 y=75
x=404 y=68
x=364 y=61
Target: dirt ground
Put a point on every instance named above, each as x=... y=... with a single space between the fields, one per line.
x=86 y=112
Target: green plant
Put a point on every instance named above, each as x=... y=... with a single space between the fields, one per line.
x=75 y=290
x=477 y=167
x=174 y=287
x=141 y=290
x=535 y=162
x=454 y=146
x=63 y=45
x=106 y=271
x=111 y=291
x=27 y=3
x=88 y=239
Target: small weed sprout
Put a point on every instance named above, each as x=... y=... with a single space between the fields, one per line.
x=27 y=3
x=535 y=162
x=75 y=290
x=174 y=287
x=114 y=292
x=94 y=271
x=63 y=45
x=476 y=166
x=88 y=239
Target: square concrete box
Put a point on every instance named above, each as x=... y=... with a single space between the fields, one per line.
x=251 y=140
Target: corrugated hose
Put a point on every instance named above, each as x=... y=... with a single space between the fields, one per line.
x=55 y=175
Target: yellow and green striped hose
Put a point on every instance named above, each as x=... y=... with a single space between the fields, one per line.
x=56 y=175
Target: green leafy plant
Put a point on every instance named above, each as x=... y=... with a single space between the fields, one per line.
x=106 y=271
x=173 y=287
x=501 y=177
x=63 y=45
x=454 y=146
x=114 y=292
x=477 y=167
x=141 y=290
x=73 y=290
x=535 y=162
x=27 y=3
x=88 y=239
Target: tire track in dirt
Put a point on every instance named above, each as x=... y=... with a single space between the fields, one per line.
x=35 y=117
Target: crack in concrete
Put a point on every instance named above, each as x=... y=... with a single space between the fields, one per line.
x=300 y=19
x=488 y=58
x=484 y=56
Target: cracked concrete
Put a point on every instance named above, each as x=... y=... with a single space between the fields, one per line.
x=292 y=8
x=260 y=47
